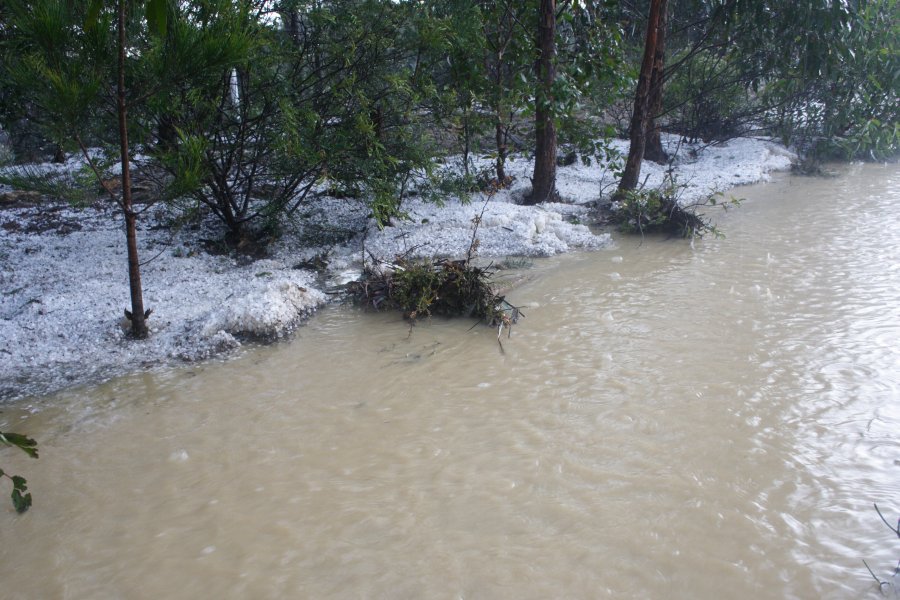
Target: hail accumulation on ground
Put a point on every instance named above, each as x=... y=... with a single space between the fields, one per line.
x=63 y=275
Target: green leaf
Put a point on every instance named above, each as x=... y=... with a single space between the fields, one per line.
x=19 y=483
x=26 y=444
x=20 y=502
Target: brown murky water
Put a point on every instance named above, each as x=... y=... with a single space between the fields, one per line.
x=667 y=422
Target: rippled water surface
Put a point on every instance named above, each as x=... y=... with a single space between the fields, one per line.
x=667 y=422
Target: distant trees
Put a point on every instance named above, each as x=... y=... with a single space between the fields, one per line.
x=833 y=85
x=823 y=76
x=243 y=108
x=507 y=62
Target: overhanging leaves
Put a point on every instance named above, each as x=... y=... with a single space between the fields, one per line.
x=26 y=444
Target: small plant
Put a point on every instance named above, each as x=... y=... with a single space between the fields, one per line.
x=21 y=497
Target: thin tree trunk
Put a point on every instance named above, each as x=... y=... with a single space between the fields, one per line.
x=467 y=139
x=504 y=35
x=502 y=151
x=544 y=180
x=654 y=149
x=138 y=320
x=638 y=128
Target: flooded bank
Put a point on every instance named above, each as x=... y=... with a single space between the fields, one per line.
x=667 y=421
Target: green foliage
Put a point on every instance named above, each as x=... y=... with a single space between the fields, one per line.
x=55 y=68
x=824 y=76
x=333 y=98
x=77 y=187
x=862 y=101
x=59 y=60
x=155 y=12
x=362 y=95
x=592 y=74
x=24 y=443
x=460 y=77
x=21 y=497
x=827 y=74
x=706 y=98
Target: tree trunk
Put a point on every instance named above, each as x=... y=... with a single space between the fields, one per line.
x=654 y=150
x=502 y=151
x=467 y=137
x=499 y=126
x=637 y=132
x=138 y=320
x=544 y=180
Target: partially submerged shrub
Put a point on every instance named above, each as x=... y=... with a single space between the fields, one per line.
x=439 y=287
x=642 y=211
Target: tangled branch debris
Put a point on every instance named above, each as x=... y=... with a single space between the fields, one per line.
x=452 y=288
x=421 y=288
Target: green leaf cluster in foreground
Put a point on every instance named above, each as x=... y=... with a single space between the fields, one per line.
x=21 y=497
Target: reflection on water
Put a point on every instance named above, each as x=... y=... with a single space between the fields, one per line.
x=667 y=421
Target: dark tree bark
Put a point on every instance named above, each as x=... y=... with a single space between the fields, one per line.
x=639 y=117
x=496 y=64
x=654 y=150
x=502 y=151
x=544 y=180
x=138 y=319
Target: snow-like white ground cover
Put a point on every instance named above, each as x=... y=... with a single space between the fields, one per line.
x=63 y=273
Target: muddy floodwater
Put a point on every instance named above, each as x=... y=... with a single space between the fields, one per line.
x=668 y=421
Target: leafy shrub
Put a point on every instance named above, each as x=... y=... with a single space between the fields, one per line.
x=659 y=210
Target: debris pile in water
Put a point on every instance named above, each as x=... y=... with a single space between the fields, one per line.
x=421 y=288
x=444 y=287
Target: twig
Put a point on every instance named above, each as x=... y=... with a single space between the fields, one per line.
x=158 y=254
x=872 y=573
x=896 y=530
x=96 y=170
x=477 y=221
